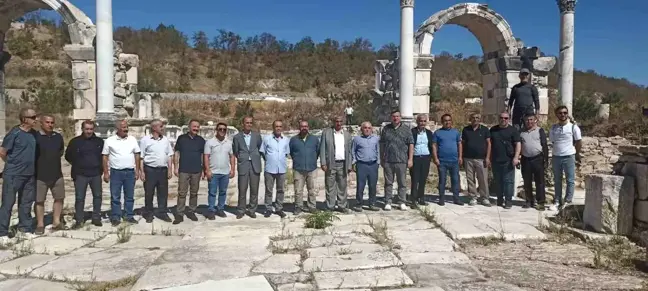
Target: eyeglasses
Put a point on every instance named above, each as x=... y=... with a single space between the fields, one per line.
x=503 y=117
x=222 y=129
x=31 y=117
x=563 y=112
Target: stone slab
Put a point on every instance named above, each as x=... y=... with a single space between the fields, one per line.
x=296 y=287
x=374 y=278
x=433 y=274
x=78 y=234
x=25 y=264
x=33 y=285
x=321 y=241
x=246 y=248
x=150 y=242
x=434 y=258
x=187 y=273
x=337 y=250
x=609 y=202
x=255 y=283
x=6 y=255
x=105 y=265
x=56 y=245
x=279 y=263
x=351 y=262
x=421 y=241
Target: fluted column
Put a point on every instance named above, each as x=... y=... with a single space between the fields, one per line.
x=566 y=85
x=406 y=60
x=104 y=49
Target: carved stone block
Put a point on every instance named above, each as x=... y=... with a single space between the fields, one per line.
x=609 y=202
x=81 y=84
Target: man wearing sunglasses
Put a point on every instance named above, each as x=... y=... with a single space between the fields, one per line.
x=220 y=165
x=524 y=99
x=18 y=150
x=505 y=146
x=566 y=138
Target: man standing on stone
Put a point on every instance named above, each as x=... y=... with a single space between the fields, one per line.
x=397 y=154
x=535 y=157
x=335 y=160
x=304 y=150
x=121 y=164
x=84 y=154
x=365 y=153
x=476 y=141
x=220 y=165
x=524 y=99
x=566 y=138
x=505 y=154
x=349 y=114
x=423 y=143
x=188 y=167
x=246 y=145
x=49 y=150
x=447 y=151
x=18 y=151
x=274 y=150
x=157 y=160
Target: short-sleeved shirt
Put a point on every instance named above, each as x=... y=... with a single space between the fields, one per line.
x=155 y=152
x=503 y=141
x=121 y=152
x=447 y=141
x=474 y=142
x=396 y=142
x=275 y=150
x=49 y=149
x=562 y=139
x=219 y=155
x=191 y=150
x=21 y=152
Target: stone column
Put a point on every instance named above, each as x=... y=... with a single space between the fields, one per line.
x=4 y=58
x=105 y=63
x=566 y=84
x=406 y=60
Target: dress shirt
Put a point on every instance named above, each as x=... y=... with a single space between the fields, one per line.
x=121 y=152
x=156 y=151
x=365 y=149
x=275 y=149
x=338 y=137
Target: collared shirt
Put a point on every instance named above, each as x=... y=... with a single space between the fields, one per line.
x=275 y=150
x=365 y=149
x=121 y=152
x=396 y=142
x=421 y=147
x=191 y=149
x=21 y=152
x=156 y=151
x=247 y=137
x=474 y=142
x=503 y=140
x=49 y=149
x=562 y=138
x=84 y=154
x=338 y=138
x=219 y=155
x=531 y=142
x=447 y=141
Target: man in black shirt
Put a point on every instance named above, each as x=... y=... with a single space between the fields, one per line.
x=476 y=148
x=189 y=149
x=505 y=155
x=49 y=149
x=524 y=99
x=84 y=154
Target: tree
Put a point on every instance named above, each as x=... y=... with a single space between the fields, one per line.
x=201 y=42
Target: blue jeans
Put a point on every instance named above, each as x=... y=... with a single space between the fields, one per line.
x=366 y=172
x=504 y=179
x=566 y=164
x=122 y=179
x=25 y=187
x=453 y=167
x=218 y=183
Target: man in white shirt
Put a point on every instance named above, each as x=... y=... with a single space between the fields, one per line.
x=349 y=114
x=156 y=153
x=121 y=163
x=566 y=138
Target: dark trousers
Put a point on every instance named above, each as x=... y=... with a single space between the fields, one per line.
x=533 y=170
x=157 y=182
x=122 y=180
x=25 y=187
x=504 y=178
x=419 y=173
x=81 y=184
x=247 y=179
x=366 y=172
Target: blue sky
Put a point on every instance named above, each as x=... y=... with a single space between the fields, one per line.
x=611 y=37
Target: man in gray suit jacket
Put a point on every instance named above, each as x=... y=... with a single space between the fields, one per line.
x=335 y=159
x=246 y=146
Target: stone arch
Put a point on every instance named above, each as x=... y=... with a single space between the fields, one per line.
x=491 y=29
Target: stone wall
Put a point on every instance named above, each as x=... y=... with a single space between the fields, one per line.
x=598 y=155
x=633 y=163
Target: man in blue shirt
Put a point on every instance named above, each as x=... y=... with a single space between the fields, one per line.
x=304 y=150
x=365 y=156
x=18 y=150
x=274 y=150
x=423 y=140
x=447 y=151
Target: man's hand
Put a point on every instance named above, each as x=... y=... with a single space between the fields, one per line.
x=106 y=177
x=175 y=171
x=169 y=175
x=324 y=168
x=516 y=162
x=578 y=159
x=487 y=163
x=460 y=161
x=208 y=175
x=231 y=173
x=410 y=164
x=437 y=162
x=139 y=175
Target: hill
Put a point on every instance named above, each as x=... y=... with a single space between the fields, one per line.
x=230 y=63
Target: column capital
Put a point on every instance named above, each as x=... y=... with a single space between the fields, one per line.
x=407 y=3
x=567 y=6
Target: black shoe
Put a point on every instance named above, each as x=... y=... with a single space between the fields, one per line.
x=540 y=207
x=500 y=203
x=422 y=202
x=178 y=219
x=526 y=205
x=357 y=208
x=251 y=214
x=281 y=214
x=210 y=215
x=148 y=218
x=508 y=205
x=164 y=217
x=115 y=222
x=458 y=201
x=267 y=213
x=297 y=211
x=78 y=225
x=191 y=215
x=344 y=210
x=373 y=208
x=221 y=213
x=131 y=220
x=414 y=205
x=97 y=222
x=310 y=210
x=441 y=203
x=239 y=215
